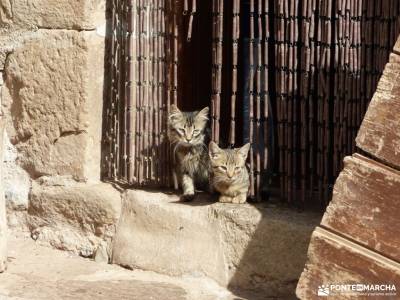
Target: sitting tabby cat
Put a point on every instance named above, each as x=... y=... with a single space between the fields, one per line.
x=187 y=133
x=229 y=175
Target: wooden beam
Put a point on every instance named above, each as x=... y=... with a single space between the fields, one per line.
x=334 y=260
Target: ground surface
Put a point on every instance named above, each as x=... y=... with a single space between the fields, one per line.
x=37 y=272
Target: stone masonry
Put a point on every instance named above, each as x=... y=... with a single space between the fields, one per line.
x=3 y=223
x=52 y=58
x=52 y=70
x=51 y=64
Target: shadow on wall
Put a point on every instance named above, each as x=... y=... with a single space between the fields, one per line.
x=265 y=245
x=273 y=258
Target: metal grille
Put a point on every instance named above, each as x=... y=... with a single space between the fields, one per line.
x=293 y=77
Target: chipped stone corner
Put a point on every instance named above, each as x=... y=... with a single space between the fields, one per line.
x=76 y=217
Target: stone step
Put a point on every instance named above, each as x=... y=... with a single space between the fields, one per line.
x=75 y=217
x=37 y=272
x=239 y=246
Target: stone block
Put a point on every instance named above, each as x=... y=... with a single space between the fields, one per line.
x=167 y=237
x=236 y=245
x=379 y=133
x=76 y=217
x=396 y=48
x=358 y=242
x=3 y=220
x=334 y=260
x=16 y=181
x=55 y=14
x=53 y=102
x=366 y=195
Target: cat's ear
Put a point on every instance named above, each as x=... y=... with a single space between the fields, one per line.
x=173 y=109
x=174 y=112
x=213 y=150
x=203 y=114
x=244 y=150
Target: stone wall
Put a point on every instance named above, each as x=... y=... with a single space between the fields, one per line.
x=53 y=14
x=52 y=58
x=52 y=61
x=52 y=67
x=3 y=222
x=53 y=100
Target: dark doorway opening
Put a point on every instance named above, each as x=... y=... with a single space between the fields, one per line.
x=195 y=56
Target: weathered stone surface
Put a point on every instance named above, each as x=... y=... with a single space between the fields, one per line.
x=17 y=221
x=16 y=181
x=236 y=245
x=5 y=12
x=101 y=254
x=74 y=218
x=366 y=195
x=3 y=221
x=379 y=133
x=53 y=97
x=335 y=260
x=167 y=237
x=396 y=48
x=60 y=14
x=38 y=272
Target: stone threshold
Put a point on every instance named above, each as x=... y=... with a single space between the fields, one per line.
x=239 y=246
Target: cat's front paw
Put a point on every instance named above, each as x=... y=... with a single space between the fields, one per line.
x=187 y=197
x=225 y=199
x=240 y=199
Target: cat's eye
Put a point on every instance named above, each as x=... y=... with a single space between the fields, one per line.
x=181 y=131
x=196 y=132
x=223 y=168
x=237 y=168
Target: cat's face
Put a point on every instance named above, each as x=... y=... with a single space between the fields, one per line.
x=187 y=128
x=227 y=163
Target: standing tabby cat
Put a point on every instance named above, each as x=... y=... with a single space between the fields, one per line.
x=229 y=175
x=187 y=135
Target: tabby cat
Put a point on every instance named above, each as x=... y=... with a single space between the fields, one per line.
x=187 y=133
x=229 y=175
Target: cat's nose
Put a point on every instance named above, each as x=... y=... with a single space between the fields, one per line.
x=188 y=139
x=230 y=175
